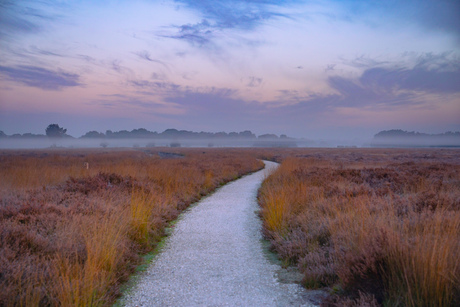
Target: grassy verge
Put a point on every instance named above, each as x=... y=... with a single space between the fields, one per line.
x=71 y=234
x=379 y=227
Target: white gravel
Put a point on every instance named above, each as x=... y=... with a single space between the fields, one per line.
x=214 y=257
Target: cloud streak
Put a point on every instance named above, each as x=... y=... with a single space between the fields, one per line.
x=16 y=19
x=432 y=73
x=379 y=88
x=222 y=16
x=12 y=20
x=198 y=34
x=145 y=55
x=40 y=77
x=244 y=15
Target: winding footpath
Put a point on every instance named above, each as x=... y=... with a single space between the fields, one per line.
x=214 y=257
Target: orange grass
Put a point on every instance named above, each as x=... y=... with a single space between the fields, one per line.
x=379 y=229
x=70 y=235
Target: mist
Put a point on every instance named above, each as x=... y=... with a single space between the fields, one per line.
x=146 y=143
x=416 y=142
x=218 y=143
x=31 y=143
x=141 y=138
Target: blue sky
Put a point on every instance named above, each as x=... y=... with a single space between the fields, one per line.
x=314 y=69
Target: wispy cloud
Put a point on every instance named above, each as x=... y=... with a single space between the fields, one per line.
x=116 y=66
x=254 y=82
x=382 y=85
x=31 y=53
x=221 y=16
x=14 y=19
x=386 y=87
x=18 y=19
x=146 y=104
x=241 y=14
x=416 y=79
x=145 y=55
x=363 y=61
x=198 y=34
x=40 y=77
x=40 y=51
x=431 y=73
x=362 y=92
x=156 y=87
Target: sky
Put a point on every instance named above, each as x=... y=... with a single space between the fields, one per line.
x=313 y=69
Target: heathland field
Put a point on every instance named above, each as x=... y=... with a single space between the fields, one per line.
x=74 y=223
x=376 y=226
x=372 y=226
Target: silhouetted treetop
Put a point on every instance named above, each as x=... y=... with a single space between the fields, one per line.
x=54 y=131
x=93 y=134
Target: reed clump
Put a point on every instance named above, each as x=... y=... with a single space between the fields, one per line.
x=380 y=233
x=70 y=235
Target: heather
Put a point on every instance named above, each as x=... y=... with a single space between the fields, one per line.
x=376 y=227
x=74 y=223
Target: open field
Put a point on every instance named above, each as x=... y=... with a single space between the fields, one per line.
x=376 y=226
x=73 y=222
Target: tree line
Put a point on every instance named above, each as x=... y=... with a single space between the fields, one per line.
x=398 y=133
x=55 y=131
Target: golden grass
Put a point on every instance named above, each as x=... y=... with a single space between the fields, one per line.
x=425 y=271
x=378 y=225
x=70 y=235
x=384 y=235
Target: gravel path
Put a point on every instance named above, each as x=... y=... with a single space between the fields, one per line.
x=214 y=257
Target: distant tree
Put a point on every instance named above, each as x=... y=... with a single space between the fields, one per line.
x=221 y=134
x=121 y=134
x=94 y=134
x=247 y=134
x=398 y=133
x=2 y=134
x=170 y=132
x=104 y=144
x=54 y=131
x=142 y=133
